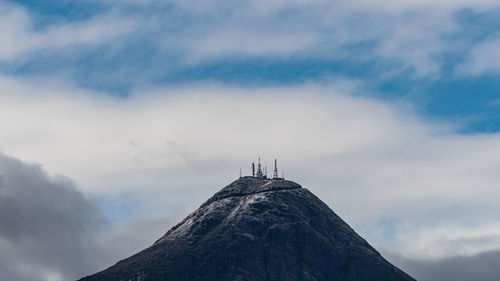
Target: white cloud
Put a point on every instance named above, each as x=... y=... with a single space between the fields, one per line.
x=448 y=240
x=408 y=36
x=482 y=58
x=411 y=36
x=186 y=128
x=18 y=35
x=174 y=147
x=253 y=43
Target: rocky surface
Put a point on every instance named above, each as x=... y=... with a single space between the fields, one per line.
x=257 y=229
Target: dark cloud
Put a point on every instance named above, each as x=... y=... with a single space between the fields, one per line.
x=51 y=231
x=46 y=225
x=484 y=266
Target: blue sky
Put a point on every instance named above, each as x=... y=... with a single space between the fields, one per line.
x=151 y=51
x=149 y=107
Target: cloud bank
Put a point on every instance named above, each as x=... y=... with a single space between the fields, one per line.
x=51 y=231
x=461 y=268
x=350 y=150
x=46 y=225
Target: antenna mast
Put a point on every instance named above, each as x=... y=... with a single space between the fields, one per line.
x=253 y=169
x=275 y=175
x=260 y=175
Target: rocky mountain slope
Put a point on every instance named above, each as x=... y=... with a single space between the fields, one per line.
x=260 y=230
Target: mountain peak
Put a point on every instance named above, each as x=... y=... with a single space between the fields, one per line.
x=258 y=229
x=252 y=185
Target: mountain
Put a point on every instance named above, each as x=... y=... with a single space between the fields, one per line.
x=260 y=230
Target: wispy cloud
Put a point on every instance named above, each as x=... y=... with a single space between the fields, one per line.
x=20 y=37
x=411 y=36
x=251 y=43
x=482 y=59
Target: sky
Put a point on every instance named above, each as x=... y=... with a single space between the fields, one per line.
x=119 y=118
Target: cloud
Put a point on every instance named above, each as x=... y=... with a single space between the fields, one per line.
x=174 y=147
x=405 y=36
x=46 y=224
x=19 y=35
x=171 y=131
x=446 y=239
x=483 y=266
x=402 y=36
x=411 y=37
x=51 y=231
x=251 y=43
x=483 y=58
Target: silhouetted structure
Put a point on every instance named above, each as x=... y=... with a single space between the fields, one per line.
x=275 y=175
x=261 y=173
